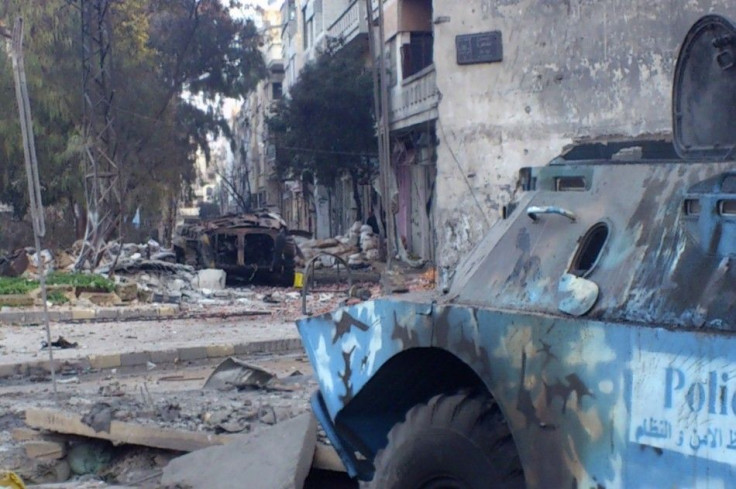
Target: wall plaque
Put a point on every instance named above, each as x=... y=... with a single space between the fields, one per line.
x=483 y=47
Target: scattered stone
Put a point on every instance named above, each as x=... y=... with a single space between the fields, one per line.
x=14 y=264
x=145 y=295
x=69 y=380
x=60 y=344
x=276 y=458
x=101 y=298
x=89 y=457
x=127 y=292
x=325 y=243
x=169 y=412
x=99 y=417
x=267 y=415
x=26 y=434
x=210 y=278
x=45 y=449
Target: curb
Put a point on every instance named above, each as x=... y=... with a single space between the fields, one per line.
x=159 y=357
x=26 y=317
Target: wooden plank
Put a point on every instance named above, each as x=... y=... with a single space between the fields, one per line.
x=122 y=432
x=325 y=456
x=45 y=449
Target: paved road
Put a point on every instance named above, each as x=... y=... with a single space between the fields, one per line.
x=23 y=343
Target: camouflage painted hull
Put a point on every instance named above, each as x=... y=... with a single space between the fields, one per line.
x=589 y=403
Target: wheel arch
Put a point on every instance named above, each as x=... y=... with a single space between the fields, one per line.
x=411 y=377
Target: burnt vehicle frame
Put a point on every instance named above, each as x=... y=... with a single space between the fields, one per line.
x=596 y=323
x=245 y=245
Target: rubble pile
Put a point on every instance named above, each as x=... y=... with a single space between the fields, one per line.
x=81 y=435
x=358 y=248
x=141 y=273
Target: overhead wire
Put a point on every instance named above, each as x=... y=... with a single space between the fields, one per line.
x=465 y=177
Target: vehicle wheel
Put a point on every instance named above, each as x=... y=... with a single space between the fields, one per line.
x=452 y=442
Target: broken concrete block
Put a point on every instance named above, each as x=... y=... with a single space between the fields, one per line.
x=26 y=434
x=45 y=449
x=127 y=292
x=145 y=296
x=275 y=458
x=210 y=278
x=100 y=298
x=16 y=300
x=89 y=457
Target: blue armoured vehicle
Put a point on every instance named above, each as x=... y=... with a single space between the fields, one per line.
x=588 y=341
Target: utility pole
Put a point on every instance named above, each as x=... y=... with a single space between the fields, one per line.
x=34 y=184
x=102 y=182
x=381 y=107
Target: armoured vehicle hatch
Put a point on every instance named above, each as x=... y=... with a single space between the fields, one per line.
x=589 y=340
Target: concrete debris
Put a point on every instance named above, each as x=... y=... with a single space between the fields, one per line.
x=122 y=432
x=60 y=344
x=99 y=417
x=89 y=457
x=233 y=373
x=26 y=434
x=14 y=264
x=277 y=458
x=45 y=449
x=359 y=247
x=210 y=278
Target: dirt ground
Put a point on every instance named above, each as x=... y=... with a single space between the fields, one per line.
x=168 y=397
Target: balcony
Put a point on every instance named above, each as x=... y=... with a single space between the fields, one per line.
x=351 y=24
x=414 y=100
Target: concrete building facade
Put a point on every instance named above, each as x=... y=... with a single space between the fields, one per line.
x=572 y=70
x=253 y=174
x=304 y=28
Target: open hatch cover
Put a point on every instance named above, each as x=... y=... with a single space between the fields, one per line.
x=704 y=91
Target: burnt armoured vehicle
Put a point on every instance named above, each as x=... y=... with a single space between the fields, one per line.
x=588 y=341
x=244 y=245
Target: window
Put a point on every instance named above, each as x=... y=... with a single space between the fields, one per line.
x=692 y=207
x=292 y=10
x=276 y=90
x=416 y=55
x=317 y=17
x=570 y=184
x=589 y=250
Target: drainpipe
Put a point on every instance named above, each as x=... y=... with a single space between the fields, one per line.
x=381 y=105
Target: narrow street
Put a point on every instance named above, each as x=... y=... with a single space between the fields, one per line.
x=168 y=394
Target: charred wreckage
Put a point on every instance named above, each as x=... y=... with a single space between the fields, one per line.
x=250 y=247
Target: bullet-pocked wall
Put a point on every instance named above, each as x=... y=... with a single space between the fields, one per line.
x=571 y=70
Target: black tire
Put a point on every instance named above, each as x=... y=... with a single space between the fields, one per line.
x=457 y=442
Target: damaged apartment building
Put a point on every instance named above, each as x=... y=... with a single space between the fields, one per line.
x=477 y=91
x=297 y=30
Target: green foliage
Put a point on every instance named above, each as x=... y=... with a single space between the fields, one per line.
x=164 y=52
x=57 y=297
x=20 y=285
x=85 y=280
x=326 y=125
x=16 y=285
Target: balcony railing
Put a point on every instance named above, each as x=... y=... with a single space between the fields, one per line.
x=351 y=23
x=415 y=99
